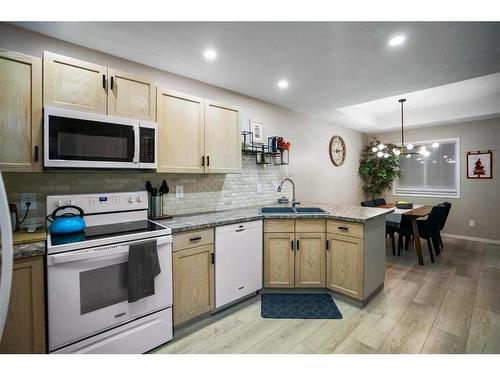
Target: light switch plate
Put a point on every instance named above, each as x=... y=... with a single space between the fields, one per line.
x=259 y=188
x=179 y=191
x=472 y=223
x=27 y=197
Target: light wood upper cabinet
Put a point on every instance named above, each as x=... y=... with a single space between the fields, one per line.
x=193 y=282
x=310 y=260
x=181 y=133
x=24 y=331
x=131 y=96
x=222 y=138
x=279 y=260
x=73 y=84
x=20 y=112
x=344 y=268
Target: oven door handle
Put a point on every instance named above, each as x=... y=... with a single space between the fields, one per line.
x=105 y=251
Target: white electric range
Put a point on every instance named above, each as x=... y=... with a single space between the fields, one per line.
x=87 y=288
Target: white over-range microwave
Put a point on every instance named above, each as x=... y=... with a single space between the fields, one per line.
x=74 y=139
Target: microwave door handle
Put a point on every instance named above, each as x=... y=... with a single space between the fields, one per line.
x=136 y=144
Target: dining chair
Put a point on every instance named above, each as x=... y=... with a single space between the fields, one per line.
x=429 y=229
x=443 y=222
x=379 y=201
x=405 y=232
x=368 y=203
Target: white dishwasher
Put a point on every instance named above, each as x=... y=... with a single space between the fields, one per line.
x=238 y=261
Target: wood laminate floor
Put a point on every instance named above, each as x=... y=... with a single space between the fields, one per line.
x=452 y=306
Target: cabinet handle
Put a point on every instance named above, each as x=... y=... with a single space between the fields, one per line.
x=36 y=153
x=203 y=161
x=292 y=244
x=328 y=244
x=112 y=81
x=240 y=230
x=213 y=258
x=343 y=228
x=208 y=161
x=298 y=245
x=195 y=239
x=104 y=81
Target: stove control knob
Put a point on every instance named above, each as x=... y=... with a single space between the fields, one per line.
x=71 y=202
x=59 y=203
x=130 y=199
x=138 y=199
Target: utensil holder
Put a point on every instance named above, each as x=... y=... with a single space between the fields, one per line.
x=155 y=207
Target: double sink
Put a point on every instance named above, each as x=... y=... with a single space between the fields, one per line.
x=291 y=210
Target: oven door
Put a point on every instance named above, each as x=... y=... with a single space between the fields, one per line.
x=87 y=291
x=86 y=140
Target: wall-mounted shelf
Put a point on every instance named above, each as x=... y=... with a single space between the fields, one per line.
x=264 y=153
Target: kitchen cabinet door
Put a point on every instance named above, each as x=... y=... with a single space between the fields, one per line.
x=131 y=96
x=310 y=260
x=193 y=274
x=180 y=133
x=344 y=265
x=24 y=331
x=222 y=138
x=20 y=112
x=279 y=260
x=73 y=84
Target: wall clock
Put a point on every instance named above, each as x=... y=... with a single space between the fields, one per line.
x=337 y=150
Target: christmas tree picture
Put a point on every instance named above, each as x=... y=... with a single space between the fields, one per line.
x=478 y=169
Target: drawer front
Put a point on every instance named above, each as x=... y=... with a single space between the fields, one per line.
x=345 y=228
x=279 y=226
x=310 y=225
x=192 y=239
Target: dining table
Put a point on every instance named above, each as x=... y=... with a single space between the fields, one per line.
x=412 y=214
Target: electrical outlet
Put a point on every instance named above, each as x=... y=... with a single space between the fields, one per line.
x=179 y=191
x=27 y=197
x=472 y=223
x=259 y=188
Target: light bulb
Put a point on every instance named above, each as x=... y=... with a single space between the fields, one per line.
x=409 y=146
x=386 y=156
x=381 y=146
x=380 y=154
x=396 y=152
x=435 y=145
x=426 y=153
x=374 y=149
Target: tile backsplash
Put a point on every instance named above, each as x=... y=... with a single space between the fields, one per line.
x=202 y=192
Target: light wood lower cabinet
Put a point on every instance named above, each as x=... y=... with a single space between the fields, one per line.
x=310 y=260
x=279 y=263
x=344 y=265
x=193 y=282
x=20 y=112
x=24 y=331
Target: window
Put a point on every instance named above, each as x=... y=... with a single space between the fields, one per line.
x=437 y=175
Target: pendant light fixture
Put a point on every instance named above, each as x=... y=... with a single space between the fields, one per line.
x=402 y=149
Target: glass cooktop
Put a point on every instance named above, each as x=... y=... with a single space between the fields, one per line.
x=105 y=231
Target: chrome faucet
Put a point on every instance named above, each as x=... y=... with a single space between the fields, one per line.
x=280 y=187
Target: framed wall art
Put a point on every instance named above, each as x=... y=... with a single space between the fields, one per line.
x=480 y=165
x=257 y=128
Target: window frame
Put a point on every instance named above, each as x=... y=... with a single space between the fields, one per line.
x=458 y=168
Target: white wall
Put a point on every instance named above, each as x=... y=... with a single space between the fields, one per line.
x=316 y=177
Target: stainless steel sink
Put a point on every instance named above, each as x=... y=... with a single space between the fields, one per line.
x=291 y=210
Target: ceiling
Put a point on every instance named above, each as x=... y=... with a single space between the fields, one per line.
x=329 y=65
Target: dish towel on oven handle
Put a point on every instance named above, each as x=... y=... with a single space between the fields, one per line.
x=143 y=267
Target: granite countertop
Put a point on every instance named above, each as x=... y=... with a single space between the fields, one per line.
x=357 y=214
x=27 y=250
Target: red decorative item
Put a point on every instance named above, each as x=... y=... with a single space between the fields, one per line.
x=480 y=165
x=282 y=145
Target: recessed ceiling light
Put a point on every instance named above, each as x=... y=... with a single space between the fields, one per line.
x=397 y=40
x=210 y=54
x=283 y=84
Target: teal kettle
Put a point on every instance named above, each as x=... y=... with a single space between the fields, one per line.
x=68 y=222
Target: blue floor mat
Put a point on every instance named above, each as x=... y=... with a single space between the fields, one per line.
x=298 y=306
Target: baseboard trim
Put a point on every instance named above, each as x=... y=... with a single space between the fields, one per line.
x=477 y=239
